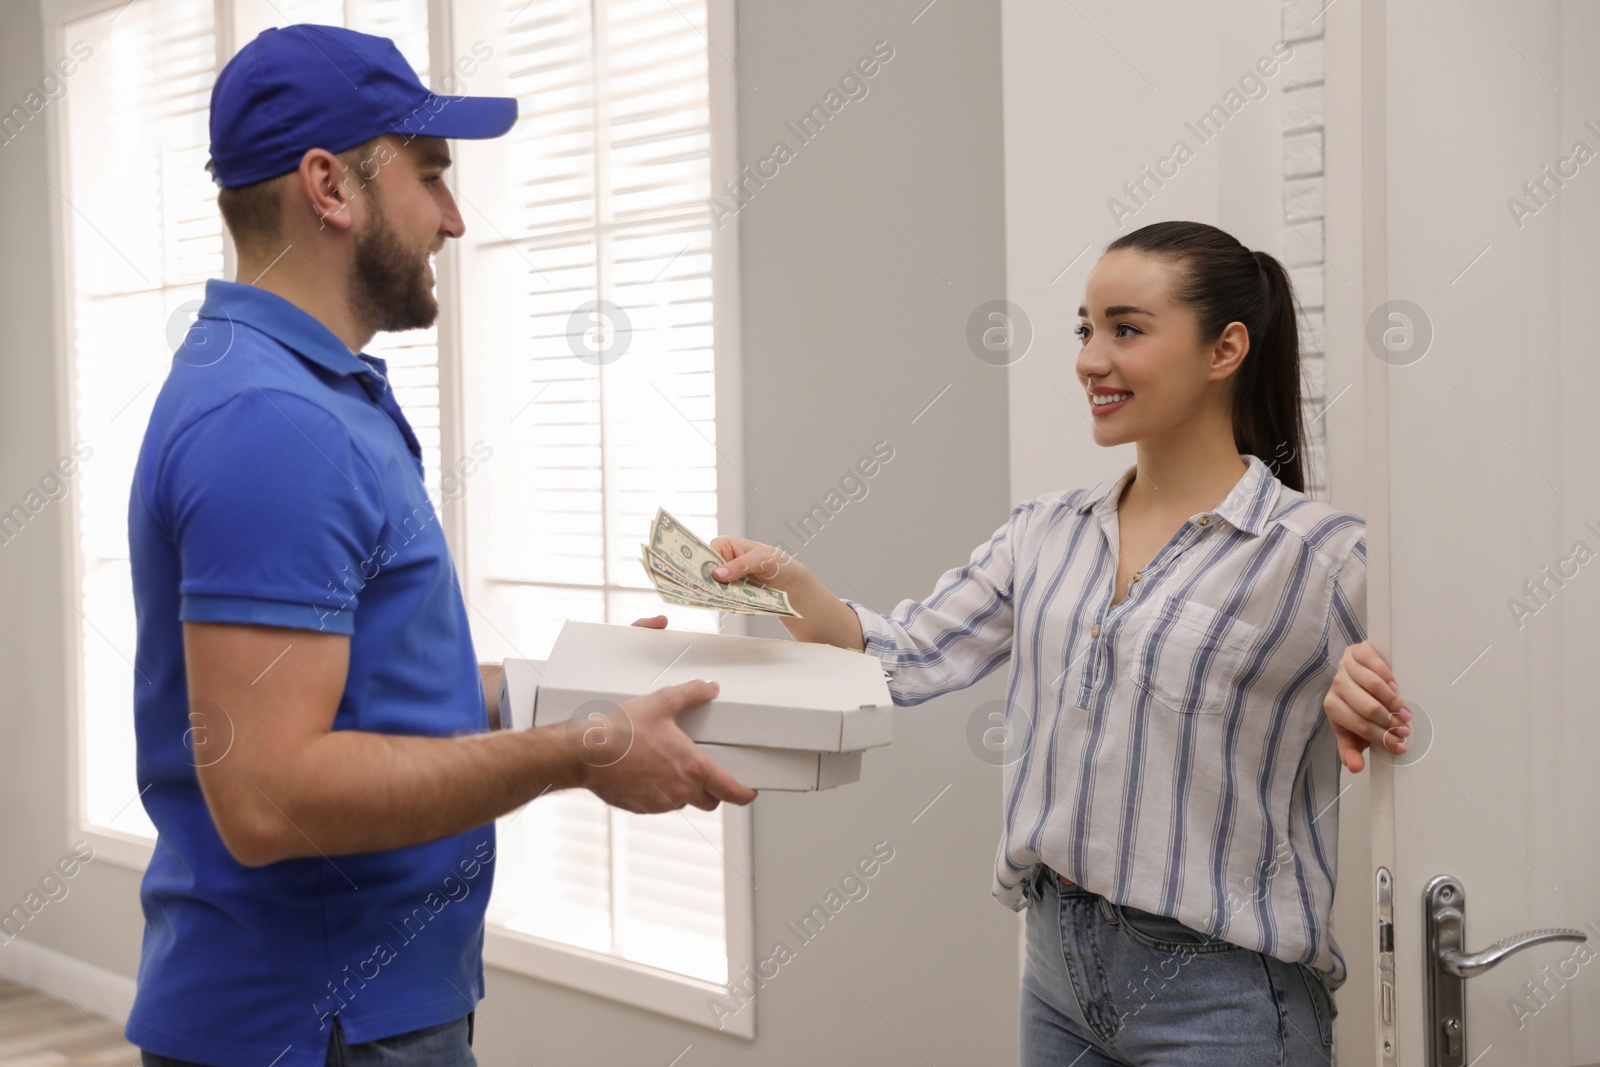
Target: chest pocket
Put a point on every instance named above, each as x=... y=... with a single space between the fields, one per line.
x=1190 y=656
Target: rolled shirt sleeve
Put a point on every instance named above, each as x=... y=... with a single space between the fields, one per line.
x=1348 y=625
x=276 y=515
x=956 y=635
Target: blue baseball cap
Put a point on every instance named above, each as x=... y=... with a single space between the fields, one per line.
x=307 y=86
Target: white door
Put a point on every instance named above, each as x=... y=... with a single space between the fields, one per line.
x=1480 y=265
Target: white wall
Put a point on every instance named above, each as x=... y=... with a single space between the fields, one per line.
x=1094 y=92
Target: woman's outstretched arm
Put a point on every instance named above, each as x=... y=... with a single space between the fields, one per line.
x=947 y=641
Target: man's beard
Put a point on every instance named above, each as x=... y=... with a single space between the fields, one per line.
x=388 y=287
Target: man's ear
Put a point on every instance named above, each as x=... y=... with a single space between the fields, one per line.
x=328 y=188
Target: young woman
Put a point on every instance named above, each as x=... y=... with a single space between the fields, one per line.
x=1171 y=791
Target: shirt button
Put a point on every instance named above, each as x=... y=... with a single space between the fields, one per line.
x=1204 y=520
x=1137 y=575
x=1094 y=631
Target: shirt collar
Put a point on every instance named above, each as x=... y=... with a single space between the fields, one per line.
x=1246 y=506
x=285 y=323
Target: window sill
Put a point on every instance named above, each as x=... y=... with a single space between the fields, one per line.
x=636 y=985
x=119 y=847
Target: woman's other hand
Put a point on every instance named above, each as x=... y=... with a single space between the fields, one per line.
x=1364 y=706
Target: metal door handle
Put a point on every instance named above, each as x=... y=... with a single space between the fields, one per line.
x=1471 y=964
x=1450 y=965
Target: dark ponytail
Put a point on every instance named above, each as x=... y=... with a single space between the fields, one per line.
x=1223 y=282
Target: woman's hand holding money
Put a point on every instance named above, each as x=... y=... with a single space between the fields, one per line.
x=826 y=619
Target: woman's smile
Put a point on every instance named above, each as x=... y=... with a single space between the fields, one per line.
x=1104 y=401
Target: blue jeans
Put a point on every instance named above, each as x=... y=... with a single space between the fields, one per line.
x=446 y=1045
x=1113 y=986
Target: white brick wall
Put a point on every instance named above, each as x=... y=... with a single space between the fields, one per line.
x=1305 y=66
x=1301 y=21
x=1302 y=107
x=1302 y=154
x=1302 y=243
x=1304 y=118
x=1302 y=199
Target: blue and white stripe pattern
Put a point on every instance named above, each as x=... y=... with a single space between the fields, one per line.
x=1177 y=758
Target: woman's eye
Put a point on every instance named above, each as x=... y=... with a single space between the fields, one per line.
x=1126 y=326
x=1081 y=332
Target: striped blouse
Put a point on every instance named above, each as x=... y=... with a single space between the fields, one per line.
x=1170 y=752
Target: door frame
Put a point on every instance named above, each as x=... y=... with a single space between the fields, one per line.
x=1357 y=248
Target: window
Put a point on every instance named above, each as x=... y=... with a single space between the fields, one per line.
x=579 y=351
x=587 y=306
x=138 y=250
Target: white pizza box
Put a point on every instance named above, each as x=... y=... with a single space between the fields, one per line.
x=764 y=768
x=785 y=769
x=774 y=694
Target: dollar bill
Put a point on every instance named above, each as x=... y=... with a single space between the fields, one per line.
x=673 y=591
x=679 y=557
x=678 y=581
x=680 y=596
x=692 y=561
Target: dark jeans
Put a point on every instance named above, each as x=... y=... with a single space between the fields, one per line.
x=446 y=1045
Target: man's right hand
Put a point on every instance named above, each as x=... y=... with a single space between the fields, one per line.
x=635 y=756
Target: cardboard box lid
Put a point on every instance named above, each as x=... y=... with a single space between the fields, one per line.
x=750 y=670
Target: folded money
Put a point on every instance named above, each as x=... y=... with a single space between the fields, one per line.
x=680 y=566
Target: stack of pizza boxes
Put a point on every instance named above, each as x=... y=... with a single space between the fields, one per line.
x=788 y=715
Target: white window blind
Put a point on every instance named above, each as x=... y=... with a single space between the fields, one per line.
x=142 y=236
x=141 y=248
x=598 y=196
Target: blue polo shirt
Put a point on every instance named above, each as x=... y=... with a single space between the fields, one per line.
x=280 y=484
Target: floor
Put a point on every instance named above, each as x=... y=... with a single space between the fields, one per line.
x=41 y=1031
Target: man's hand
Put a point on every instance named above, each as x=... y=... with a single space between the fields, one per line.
x=1364 y=706
x=638 y=759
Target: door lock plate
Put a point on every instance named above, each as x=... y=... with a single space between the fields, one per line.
x=1450 y=965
